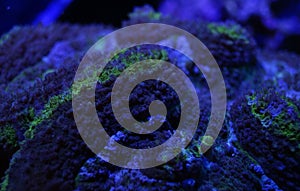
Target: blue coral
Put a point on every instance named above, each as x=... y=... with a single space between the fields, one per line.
x=269 y=131
x=257 y=149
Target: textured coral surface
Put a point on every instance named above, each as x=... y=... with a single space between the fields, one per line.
x=40 y=147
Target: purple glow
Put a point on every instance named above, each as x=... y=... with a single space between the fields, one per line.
x=52 y=12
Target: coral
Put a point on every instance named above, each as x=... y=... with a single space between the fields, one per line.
x=281 y=114
x=273 y=23
x=223 y=169
x=231 y=45
x=283 y=71
x=9 y=145
x=47 y=136
x=257 y=148
x=145 y=14
x=232 y=31
x=25 y=107
x=237 y=45
x=94 y=175
x=38 y=43
x=269 y=131
x=52 y=157
x=53 y=103
x=128 y=57
x=234 y=50
x=4 y=184
x=8 y=135
x=27 y=51
x=141 y=96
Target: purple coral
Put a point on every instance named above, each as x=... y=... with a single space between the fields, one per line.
x=269 y=131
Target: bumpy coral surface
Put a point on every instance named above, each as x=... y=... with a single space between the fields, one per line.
x=274 y=23
x=41 y=149
x=275 y=119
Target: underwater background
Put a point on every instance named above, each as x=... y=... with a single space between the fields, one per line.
x=255 y=43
